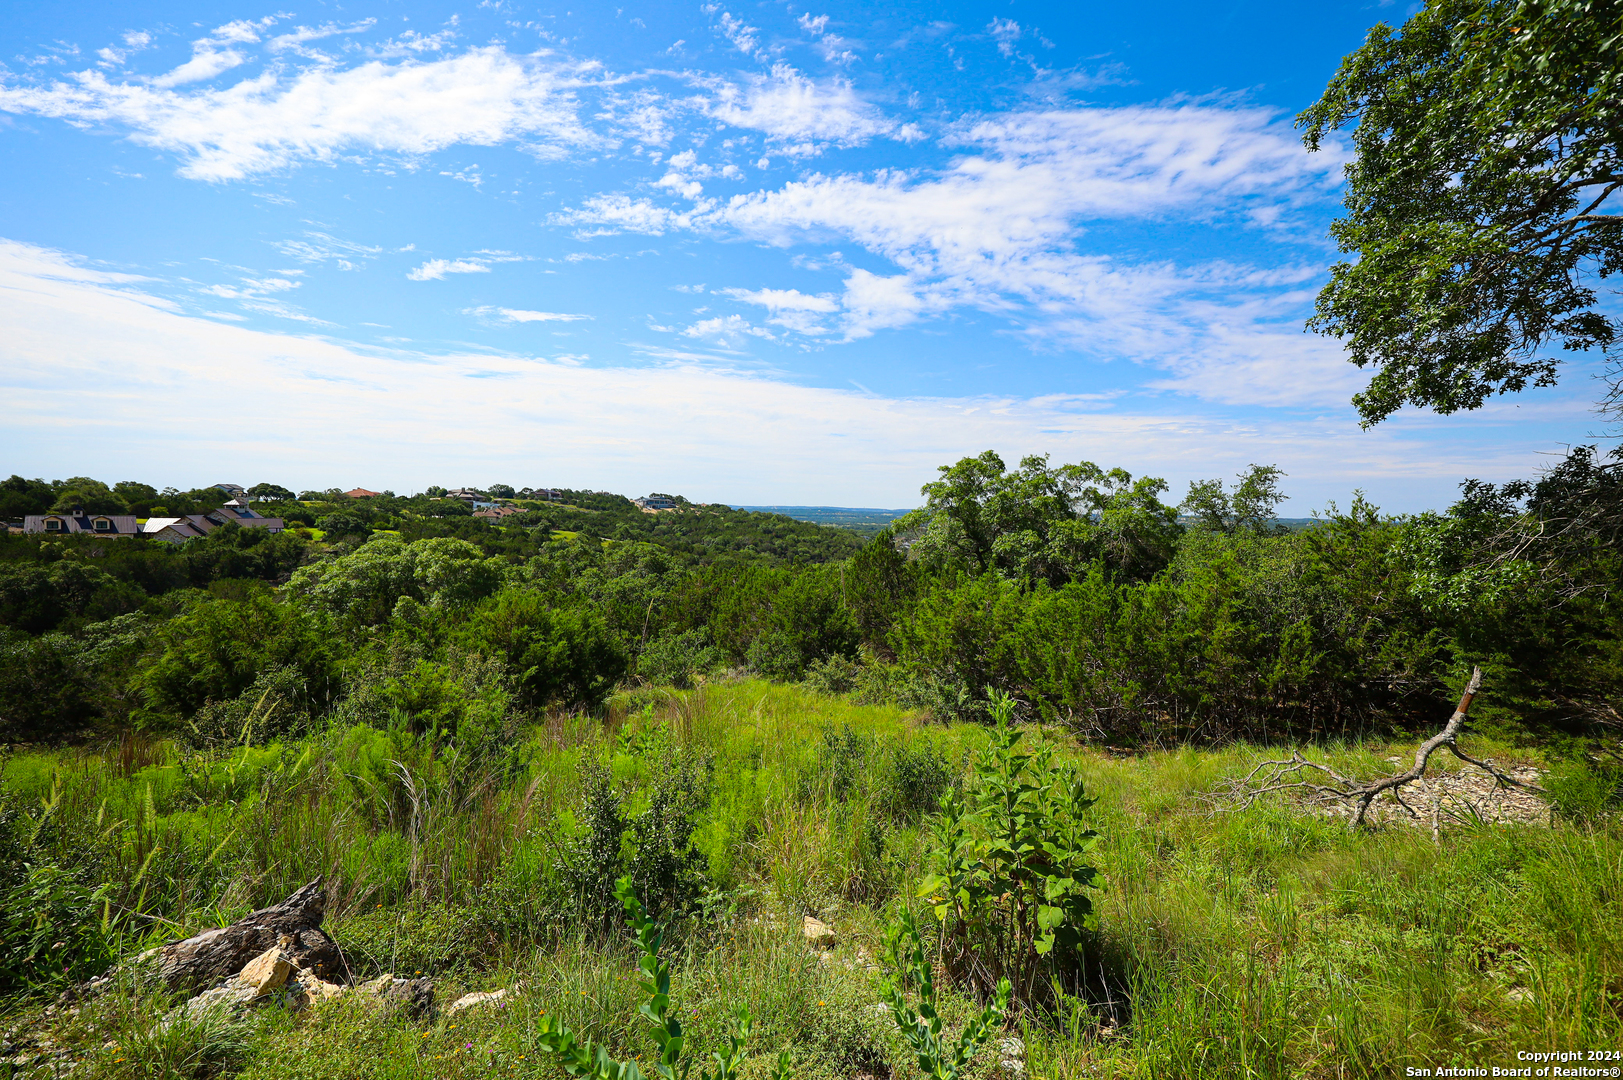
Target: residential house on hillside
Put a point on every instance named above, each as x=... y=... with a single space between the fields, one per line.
x=496 y=513
x=654 y=503
x=77 y=521
x=474 y=500
x=362 y=493
x=178 y=530
x=236 y=491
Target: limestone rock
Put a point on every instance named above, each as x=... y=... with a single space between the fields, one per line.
x=414 y=997
x=1012 y=1057
x=497 y=998
x=267 y=972
x=818 y=933
x=231 y=998
x=307 y=990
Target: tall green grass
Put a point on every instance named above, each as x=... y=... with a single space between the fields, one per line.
x=1265 y=943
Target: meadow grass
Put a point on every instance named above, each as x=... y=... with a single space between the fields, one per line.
x=1270 y=942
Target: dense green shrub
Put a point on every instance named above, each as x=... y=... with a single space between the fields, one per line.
x=557 y=654
x=652 y=849
x=677 y=659
x=833 y=675
x=38 y=597
x=367 y=584
x=218 y=648
x=275 y=706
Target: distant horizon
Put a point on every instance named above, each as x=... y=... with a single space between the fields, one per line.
x=1172 y=496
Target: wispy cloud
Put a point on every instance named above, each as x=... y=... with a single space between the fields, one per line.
x=478 y=263
x=520 y=315
x=319 y=247
x=435 y=269
x=998 y=230
x=686 y=424
x=728 y=331
x=214 y=55
x=744 y=37
x=799 y=113
x=298 y=39
x=276 y=120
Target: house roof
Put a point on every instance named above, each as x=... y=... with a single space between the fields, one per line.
x=362 y=493
x=120 y=524
x=194 y=525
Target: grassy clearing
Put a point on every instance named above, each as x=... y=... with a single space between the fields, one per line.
x=1267 y=943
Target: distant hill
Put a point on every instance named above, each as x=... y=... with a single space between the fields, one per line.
x=859 y=519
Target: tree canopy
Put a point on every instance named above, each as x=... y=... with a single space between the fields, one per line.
x=1042 y=523
x=1480 y=200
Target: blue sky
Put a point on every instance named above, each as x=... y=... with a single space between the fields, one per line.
x=755 y=253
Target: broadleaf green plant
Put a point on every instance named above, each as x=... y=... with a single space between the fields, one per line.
x=583 y=1058
x=1011 y=872
x=938 y=1057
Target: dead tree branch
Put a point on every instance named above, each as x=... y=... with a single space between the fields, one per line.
x=1297 y=773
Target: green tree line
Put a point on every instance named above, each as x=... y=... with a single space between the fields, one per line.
x=1082 y=593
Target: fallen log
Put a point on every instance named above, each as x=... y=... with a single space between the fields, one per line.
x=1289 y=774
x=204 y=959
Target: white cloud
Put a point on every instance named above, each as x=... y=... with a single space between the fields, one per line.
x=134 y=42
x=998 y=230
x=742 y=35
x=777 y=300
x=241 y=32
x=212 y=55
x=470 y=175
x=435 y=269
x=204 y=65
x=276 y=120
x=1039 y=175
x=86 y=349
x=790 y=308
x=793 y=109
x=520 y=315
x=645 y=115
x=873 y=302
x=299 y=37
x=621 y=212
x=319 y=247
x=835 y=49
x=727 y=330
x=1005 y=32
